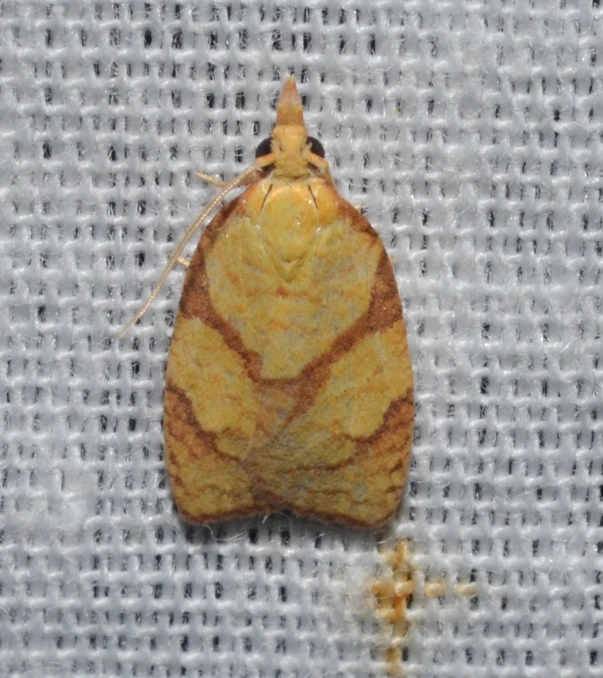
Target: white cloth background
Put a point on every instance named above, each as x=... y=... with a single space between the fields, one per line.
x=472 y=132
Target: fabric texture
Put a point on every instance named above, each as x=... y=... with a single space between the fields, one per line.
x=472 y=135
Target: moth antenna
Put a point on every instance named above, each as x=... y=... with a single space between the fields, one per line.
x=192 y=229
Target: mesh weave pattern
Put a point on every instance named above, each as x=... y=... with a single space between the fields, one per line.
x=472 y=133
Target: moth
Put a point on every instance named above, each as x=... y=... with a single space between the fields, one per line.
x=289 y=383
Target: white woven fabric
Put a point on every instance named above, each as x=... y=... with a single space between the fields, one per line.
x=472 y=133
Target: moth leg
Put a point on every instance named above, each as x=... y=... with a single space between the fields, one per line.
x=255 y=174
x=211 y=180
x=184 y=261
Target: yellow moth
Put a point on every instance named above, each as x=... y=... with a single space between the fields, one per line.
x=288 y=383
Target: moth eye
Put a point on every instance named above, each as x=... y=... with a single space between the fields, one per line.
x=316 y=147
x=264 y=148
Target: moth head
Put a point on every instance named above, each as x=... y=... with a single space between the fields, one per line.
x=290 y=152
